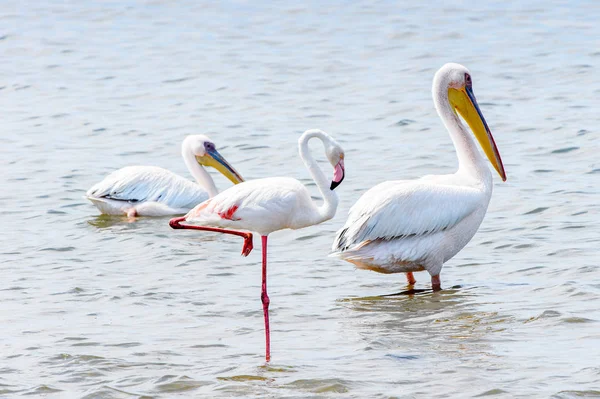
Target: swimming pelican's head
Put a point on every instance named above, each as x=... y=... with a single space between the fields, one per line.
x=207 y=155
x=458 y=81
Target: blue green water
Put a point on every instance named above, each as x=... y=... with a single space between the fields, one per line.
x=100 y=308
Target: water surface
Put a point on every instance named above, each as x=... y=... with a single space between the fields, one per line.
x=97 y=307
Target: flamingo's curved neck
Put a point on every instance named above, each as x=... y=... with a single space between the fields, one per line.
x=200 y=174
x=330 y=199
x=470 y=161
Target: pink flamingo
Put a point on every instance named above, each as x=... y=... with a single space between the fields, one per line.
x=271 y=204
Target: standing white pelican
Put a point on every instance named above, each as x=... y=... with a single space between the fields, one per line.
x=405 y=226
x=271 y=204
x=153 y=191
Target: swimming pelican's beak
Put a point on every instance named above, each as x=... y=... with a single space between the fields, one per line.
x=463 y=100
x=338 y=174
x=213 y=159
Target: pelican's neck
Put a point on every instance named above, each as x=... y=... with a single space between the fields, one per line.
x=330 y=199
x=200 y=174
x=470 y=161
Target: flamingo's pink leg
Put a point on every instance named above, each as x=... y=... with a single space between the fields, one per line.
x=175 y=223
x=265 y=299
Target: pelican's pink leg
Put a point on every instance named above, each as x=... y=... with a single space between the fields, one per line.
x=265 y=299
x=436 y=284
x=175 y=223
x=410 y=279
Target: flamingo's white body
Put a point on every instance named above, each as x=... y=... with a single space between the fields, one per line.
x=413 y=225
x=154 y=191
x=265 y=205
x=271 y=204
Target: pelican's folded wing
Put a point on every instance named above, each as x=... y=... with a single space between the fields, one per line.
x=398 y=209
x=148 y=183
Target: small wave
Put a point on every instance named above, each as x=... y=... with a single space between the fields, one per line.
x=564 y=150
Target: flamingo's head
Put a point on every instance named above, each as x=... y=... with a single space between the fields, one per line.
x=335 y=154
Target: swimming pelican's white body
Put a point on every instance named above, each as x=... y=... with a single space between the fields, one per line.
x=414 y=225
x=151 y=190
x=154 y=191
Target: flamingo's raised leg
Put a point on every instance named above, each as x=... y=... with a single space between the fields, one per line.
x=175 y=223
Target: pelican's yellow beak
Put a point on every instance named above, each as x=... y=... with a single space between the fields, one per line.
x=213 y=159
x=463 y=100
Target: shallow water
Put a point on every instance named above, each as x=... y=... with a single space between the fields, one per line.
x=97 y=307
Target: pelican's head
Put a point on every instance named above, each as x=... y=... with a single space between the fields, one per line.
x=335 y=155
x=458 y=81
x=206 y=154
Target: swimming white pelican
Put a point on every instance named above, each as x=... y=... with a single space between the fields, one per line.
x=153 y=191
x=271 y=204
x=405 y=226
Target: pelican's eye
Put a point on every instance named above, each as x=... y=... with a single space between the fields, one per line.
x=468 y=80
x=208 y=146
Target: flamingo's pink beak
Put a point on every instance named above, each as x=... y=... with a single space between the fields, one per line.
x=338 y=174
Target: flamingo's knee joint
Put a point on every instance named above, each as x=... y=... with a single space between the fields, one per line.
x=265 y=299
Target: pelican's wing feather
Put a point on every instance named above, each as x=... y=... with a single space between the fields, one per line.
x=398 y=209
x=138 y=184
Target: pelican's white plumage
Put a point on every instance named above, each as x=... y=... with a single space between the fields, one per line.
x=154 y=191
x=413 y=225
x=406 y=226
